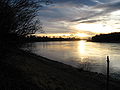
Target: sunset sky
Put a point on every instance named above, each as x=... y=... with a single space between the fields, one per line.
x=81 y=16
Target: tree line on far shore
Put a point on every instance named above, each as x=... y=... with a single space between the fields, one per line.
x=111 y=37
x=33 y=38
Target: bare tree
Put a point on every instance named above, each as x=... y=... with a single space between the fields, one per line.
x=18 y=16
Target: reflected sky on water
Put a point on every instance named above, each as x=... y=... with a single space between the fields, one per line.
x=81 y=52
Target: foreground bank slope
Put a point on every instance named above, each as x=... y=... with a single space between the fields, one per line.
x=24 y=70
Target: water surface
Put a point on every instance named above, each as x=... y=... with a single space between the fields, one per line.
x=87 y=55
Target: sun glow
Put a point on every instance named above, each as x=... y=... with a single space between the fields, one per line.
x=81 y=35
x=65 y=35
x=97 y=28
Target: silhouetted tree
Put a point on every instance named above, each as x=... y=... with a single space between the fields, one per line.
x=18 y=17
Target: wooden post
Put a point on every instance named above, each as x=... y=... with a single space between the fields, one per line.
x=107 y=85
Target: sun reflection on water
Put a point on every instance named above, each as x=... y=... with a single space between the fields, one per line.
x=81 y=52
x=81 y=47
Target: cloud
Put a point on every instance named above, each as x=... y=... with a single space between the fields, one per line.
x=68 y=10
x=60 y=14
x=56 y=27
x=107 y=1
x=56 y=15
x=77 y=2
x=111 y=6
x=87 y=32
x=89 y=21
x=104 y=9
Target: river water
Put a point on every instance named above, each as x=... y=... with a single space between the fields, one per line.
x=87 y=55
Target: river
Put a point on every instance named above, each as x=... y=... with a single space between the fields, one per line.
x=87 y=55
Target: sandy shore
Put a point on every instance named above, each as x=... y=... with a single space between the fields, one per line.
x=26 y=71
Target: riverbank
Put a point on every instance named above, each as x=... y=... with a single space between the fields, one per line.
x=26 y=71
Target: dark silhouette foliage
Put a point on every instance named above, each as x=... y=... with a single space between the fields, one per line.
x=33 y=38
x=18 y=17
x=111 y=37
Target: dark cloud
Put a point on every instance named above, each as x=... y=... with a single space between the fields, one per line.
x=65 y=9
x=77 y=2
x=112 y=6
x=87 y=17
x=107 y=1
x=106 y=8
x=62 y=13
x=89 y=21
